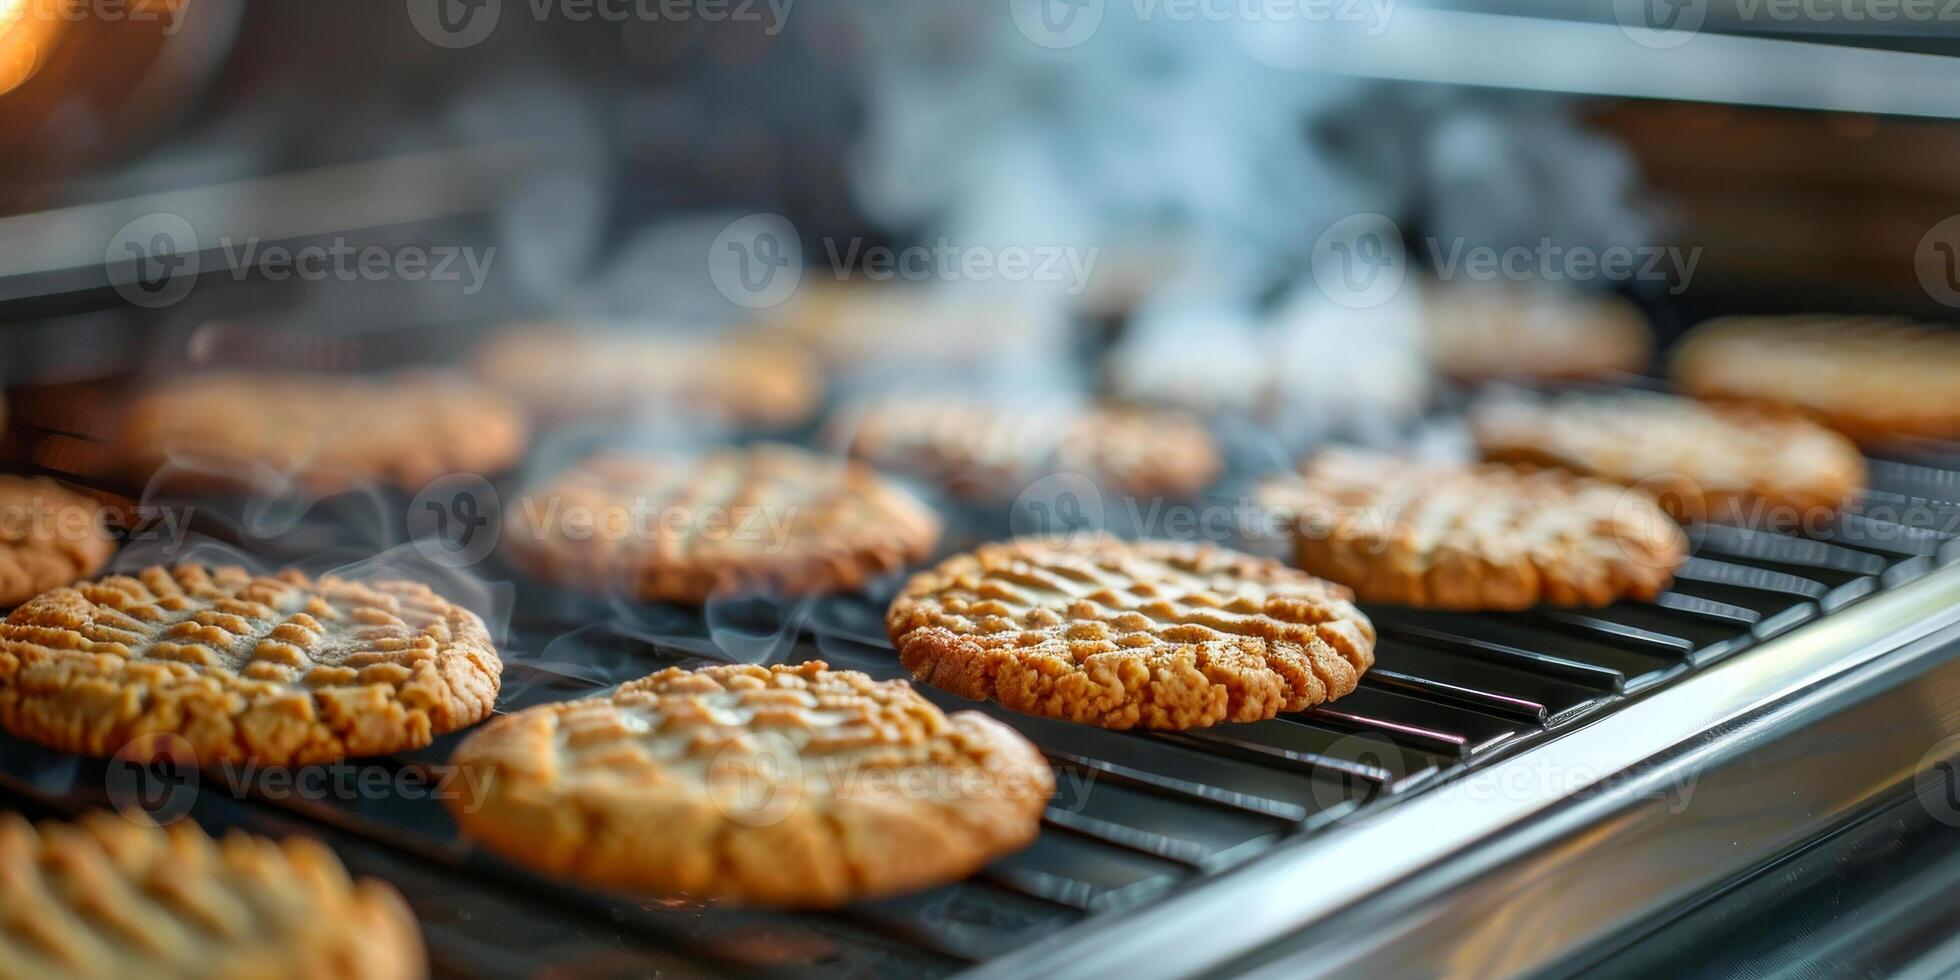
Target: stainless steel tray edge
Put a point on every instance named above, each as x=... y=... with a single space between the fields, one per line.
x=1497 y=876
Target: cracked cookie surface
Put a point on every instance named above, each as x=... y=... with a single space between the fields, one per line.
x=764 y=518
x=1147 y=634
x=1721 y=463
x=277 y=669
x=1872 y=378
x=107 y=898
x=1452 y=536
x=49 y=536
x=326 y=433
x=788 y=786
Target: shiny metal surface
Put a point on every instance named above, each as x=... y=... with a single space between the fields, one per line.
x=1518 y=866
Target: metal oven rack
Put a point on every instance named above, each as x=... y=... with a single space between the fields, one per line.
x=1143 y=824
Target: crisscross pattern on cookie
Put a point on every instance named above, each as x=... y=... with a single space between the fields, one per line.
x=765 y=518
x=326 y=432
x=49 y=536
x=562 y=371
x=785 y=785
x=996 y=449
x=1476 y=537
x=1127 y=634
x=109 y=898
x=1870 y=377
x=281 y=669
x=1700 y=461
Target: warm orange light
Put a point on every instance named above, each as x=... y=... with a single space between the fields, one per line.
x=27 y=31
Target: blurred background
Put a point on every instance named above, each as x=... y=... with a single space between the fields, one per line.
x=1297 y=220
x=1174 y=170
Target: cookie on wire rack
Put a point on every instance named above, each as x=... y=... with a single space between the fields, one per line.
x=786 y=786
x=1452 y=536
x=276 y=669
x=106 y=897
x=1122 y=634
x=681 y=527
x=1731 y=464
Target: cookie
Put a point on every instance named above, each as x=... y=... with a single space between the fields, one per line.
x=1700 y=461
x=326 y=433
x=106 y=897
x=1150 y=634
x=786 y=786
x=766 y=518
x=994 y=450
x=49 y=536
x=1451 y=536
x=1872 y=378
x=276 y=669
x=562 y=372
x=1487 y=331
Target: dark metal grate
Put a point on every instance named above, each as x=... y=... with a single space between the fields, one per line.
x=1136 y=814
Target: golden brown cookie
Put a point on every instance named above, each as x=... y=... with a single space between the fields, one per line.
x=993 y=450
x=106 y=897
x=565 y=372
x=281 y=670
x=1872 y=378
x=1700 y=461
x=1451 y=536
x=789 y=786
x=1487 y=331
x=328 y=433
x=49 y=536
x=765 y=518
x=1151 y=634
